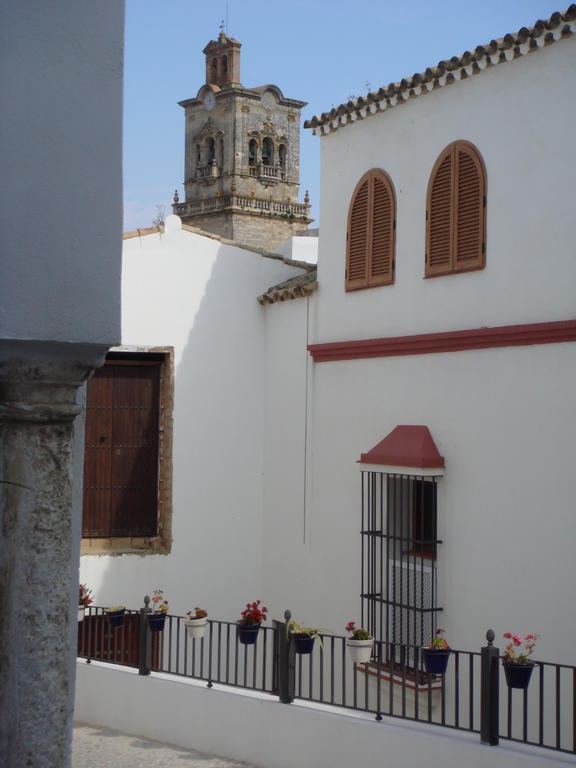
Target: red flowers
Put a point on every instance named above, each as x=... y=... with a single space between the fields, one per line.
x=85 y=596
x=253 y=614
x=357 y=633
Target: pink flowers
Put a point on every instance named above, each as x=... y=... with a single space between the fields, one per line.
x=159 y=604
x=515 y=641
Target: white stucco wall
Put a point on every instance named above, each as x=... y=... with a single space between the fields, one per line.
x=300 y=248
x=504 y=507
x=502 y=418
x=285 y=460
x=61 y=191
x=519 y=117
x=261 y=731
x=199 y=296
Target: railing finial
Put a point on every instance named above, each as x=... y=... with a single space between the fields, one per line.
x=490 y=635
x=146 y=601
x=287 y=614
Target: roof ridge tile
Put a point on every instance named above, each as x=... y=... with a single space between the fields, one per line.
x=511 y=46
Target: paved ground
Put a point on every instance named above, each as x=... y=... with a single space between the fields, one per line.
x=103 y=748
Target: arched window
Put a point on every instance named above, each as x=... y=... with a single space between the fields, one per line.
x=252 y=152
x=282 y=155
x=224 y=65
x=370 y=258
x=220 y=152
x=211 y=150
x=456 y=212
x=198 y=154
x=268 y=151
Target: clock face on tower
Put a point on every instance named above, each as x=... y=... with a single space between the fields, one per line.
x=209 y=101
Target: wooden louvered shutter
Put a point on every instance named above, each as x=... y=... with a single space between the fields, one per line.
x=121 y=451
x=382 y=231
x=456 y=212
x=371 y=233
x=439 y=217
x=470 y=210
x=97 y=454
x=357 y=246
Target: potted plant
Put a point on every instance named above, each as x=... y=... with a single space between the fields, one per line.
x=437 y=654
x=359 y=643
x=248 y=625
x=85 y=598
x=515 y=660
x=115 y=615
x=196 y=622
x=157 y=617
x=303 y=637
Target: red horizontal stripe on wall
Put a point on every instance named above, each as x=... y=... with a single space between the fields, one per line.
x=450 y=341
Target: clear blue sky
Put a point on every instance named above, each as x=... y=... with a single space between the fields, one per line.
x=320 y=51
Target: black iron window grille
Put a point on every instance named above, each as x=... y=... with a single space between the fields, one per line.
x=399 y=557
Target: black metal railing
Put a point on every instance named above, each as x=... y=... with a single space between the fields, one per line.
x=472 y=695
x=218 y=657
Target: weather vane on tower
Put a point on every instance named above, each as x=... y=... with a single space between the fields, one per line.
x=224 y=24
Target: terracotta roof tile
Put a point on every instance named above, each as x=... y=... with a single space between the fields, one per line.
x=294 y=288
x=511 y=46
x=141 y=232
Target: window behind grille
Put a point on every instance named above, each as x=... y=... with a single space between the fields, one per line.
x=399 y=548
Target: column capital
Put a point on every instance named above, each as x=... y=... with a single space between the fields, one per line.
x=39 y=381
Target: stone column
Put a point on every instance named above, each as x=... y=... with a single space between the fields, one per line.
x=39 y=545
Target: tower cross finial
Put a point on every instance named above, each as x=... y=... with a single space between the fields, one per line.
x=222 y=26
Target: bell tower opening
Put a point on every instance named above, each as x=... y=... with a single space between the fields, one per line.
x=222 y=61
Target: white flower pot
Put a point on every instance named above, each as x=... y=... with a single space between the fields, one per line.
x=360 y=650
x=196 y=628
x=81 y=610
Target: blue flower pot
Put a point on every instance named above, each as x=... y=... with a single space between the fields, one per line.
x=517 y=675
x=247 y=633
x=116 y=618
x=435 y=660
x=156 y=622
x=303 y=643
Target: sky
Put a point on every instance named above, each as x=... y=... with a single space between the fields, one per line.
x=319 y=51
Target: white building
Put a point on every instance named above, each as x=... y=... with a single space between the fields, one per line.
x=472 y=334
x=442 y=337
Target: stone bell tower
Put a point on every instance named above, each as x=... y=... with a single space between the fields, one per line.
x=242 y=156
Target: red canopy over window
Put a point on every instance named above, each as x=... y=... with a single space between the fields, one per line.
x=406 y=446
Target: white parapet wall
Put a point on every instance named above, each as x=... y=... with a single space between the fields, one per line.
x=254 y=727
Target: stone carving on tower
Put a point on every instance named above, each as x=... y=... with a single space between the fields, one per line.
x=242 y=155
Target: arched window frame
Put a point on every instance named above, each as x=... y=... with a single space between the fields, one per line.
x=459 y=245
x=371 y=234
